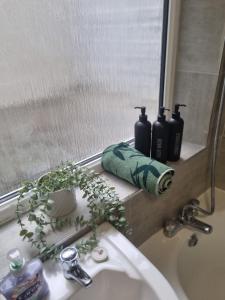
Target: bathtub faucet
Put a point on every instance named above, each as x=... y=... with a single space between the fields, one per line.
x=187 y=218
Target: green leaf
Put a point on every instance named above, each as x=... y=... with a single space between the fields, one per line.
x=50 y=202
x=112 y=218
x=145 y=176
x=121 y=209
x=41 y=234
x=31 y=217
x=146 y=169
x=29 y=235
x=34 y=197
x=118 y=154
x=48 y=207
x=136 y=155
x=154 y=171
x=23 y=232
x=122 y=220
x=44 y=249
x=140 y=169
x=38 y=229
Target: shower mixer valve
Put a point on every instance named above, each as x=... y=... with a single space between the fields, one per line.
x=187 y=219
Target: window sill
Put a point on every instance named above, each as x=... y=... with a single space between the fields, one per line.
x=9 y=232
x=188 y=151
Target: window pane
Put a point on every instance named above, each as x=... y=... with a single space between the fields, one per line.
x=71 y=73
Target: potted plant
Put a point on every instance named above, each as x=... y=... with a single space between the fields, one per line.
x=35 y=204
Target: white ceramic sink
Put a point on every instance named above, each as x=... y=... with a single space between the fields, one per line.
x=127 y=274
x=113 y=285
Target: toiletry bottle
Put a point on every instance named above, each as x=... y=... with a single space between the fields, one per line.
x=142 y=133
x=160 y=134
x=25 y=280
x=176 y=126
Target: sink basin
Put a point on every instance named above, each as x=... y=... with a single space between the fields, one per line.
x=113 y=285
x=127 y=274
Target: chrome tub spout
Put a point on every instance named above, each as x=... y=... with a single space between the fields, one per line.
x=187 y=218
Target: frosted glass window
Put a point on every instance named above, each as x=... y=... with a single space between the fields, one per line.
x=71 y=73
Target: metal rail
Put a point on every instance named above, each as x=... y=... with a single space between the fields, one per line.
x=214 y=152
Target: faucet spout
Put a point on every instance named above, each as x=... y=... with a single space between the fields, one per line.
x=78 y=274
x=71 y=267
x=187 y=218
x=194 y=223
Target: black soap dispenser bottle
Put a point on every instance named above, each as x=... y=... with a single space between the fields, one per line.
x=160 y=135
x=176 y=127
x=142 y=133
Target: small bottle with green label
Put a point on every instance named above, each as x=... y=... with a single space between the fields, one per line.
x=25 y=279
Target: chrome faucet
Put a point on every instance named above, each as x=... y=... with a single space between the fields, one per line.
x=187 y=218
x=71 y=268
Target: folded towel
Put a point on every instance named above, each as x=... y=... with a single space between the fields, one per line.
x=131 y=165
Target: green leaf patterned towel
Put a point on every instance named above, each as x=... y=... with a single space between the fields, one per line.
x=131 y=165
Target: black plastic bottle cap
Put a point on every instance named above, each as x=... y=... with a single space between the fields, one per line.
x=161 y=116
x=143 y=117
x=176 y=113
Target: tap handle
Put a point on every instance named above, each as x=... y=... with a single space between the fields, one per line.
x=187 y=212
x=195 y=202
x=69 y=255
x=171 y=227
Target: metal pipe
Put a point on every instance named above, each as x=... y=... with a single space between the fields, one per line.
x=214 y=152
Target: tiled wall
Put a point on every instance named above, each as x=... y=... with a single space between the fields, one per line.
x=202 y=27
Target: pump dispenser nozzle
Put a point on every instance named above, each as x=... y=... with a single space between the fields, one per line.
x=161 y=116
x=176 y=113
x=16 y=260
x=143 y=116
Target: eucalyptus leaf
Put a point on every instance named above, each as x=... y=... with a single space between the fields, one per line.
x=23 y=232
x=29 y=234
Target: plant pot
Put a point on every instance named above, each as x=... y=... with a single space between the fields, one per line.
x=64 y=202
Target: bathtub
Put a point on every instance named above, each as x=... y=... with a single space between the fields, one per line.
x=196 y=272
